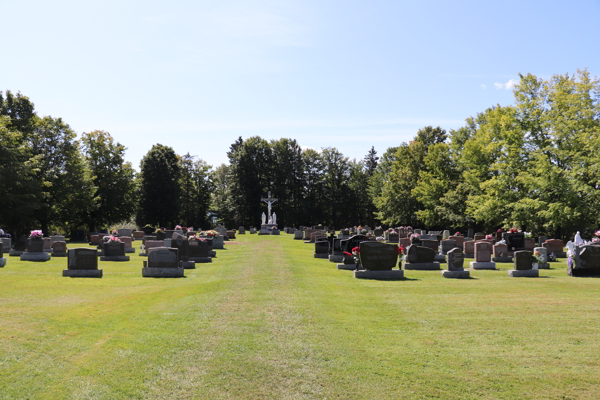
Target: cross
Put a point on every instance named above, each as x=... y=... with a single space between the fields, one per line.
x=269 y=200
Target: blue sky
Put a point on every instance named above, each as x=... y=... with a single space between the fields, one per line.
x=195 y=75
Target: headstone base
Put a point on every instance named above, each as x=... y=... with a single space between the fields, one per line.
x=482 y=265
x=455 y=274
x=275 y=232
x=524 y=273
x=188 y=264
x=201 y=259
x=440 y=258
x=38 y=256
x=48 y=251
x=130 y=250
x=582 y=272
x=114 y=258
x=390 y=275
x=212 y=253
x=505 y=259
x=218 y=246
x=3 y=262
x=336 y=259
x=347 y=267
x=307 y=242
x=432 y=266
x=543 y=266
x=15 y=253
x=148 y=272
x=82 y=273
x=320 y=255
x=143 y=254
x=63 y=254
x=264 y=232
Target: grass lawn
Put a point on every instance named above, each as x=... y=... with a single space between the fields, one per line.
x=265 y=320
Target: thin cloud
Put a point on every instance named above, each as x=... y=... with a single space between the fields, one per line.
x=506 y=86
x=483 y=86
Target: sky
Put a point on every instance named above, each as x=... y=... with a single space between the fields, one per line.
x=196 y=75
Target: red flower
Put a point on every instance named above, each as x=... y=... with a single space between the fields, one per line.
x=356 y=250
x=348 y=254
x=400 y=250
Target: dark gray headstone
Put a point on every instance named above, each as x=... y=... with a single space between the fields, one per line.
x=448 y=245
x=337 y=249
x=35 y=245
x=588 y=256
x=456 y=260
x=198 y=248
x=470 y=232
x=355 y=241
x=82 y=258
x=522 y=260
x=419 y=254
x=322 y=247
x=163 y=257
x=515 y=241
x=114 y=249
x=376 y=256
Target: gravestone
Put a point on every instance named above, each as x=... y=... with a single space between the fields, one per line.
x=298 y=235
x=3 y=260
x=347 y=245
x=456 y=269
x=57 y=238
x=148 y=230
x=431 y=244
x=448 y=245
x=148 y=244
x=459 y=240
x=114 y=251
x=404 y=242
x=198 y=251
x=446 y=234
x=35 y=251
x=478 y=236
x=470 y=233
x=393 y=237
x=500 y=252
x=378 y=232
x=242 y=230
x=169 y=233
x=514 y=240
x=586 y=261
x=6 y=244
x=59 y=249
x=321 y=249
x=483 y=256
x=219 y=242
x=543 y=256
x=522 y=264
x=180 y=243
x=138 y=235
x=529 y=244
x=48 y=244
x=160 y=236
x=378 y=260
x=163 y=262
x=125 y=232
x=231 y=234
x=128 y=240
x=336 y=255
x=420 y=258
x=82 y=263
x=252 y=230
x=555 y=246
x=541 y=240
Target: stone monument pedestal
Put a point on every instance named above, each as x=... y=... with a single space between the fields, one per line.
x=524 y=273
x=129 y=249
x=440 y=258
x=200 y=259
x=82 y=273
x=149 y=272
x=114 y=258
x=347 y=267
x=431 y=266
x=35 y=256
x=15 y=253
x=390 y=275
x=482 y=265
x=455 y=274
x=59 y=254
x=3 y=262
x=188 y=264
x=320 y=255
x=336 y=259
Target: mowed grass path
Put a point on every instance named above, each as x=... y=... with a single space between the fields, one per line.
x=265 y=320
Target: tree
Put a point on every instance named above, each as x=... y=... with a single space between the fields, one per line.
x=196 y=186
x=113 y=179
x=286 y=181
x=313 y=193
x=159 y=190
x=222 y=199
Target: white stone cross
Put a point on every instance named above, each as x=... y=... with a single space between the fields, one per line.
x=269 y=200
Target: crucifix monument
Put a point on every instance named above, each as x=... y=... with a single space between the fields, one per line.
x=269 y=221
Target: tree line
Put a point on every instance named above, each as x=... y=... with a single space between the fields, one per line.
x=534 y=165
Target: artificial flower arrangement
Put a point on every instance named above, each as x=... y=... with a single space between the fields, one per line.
x=597 y=238
x=159 y=230
x=457 y=233
x=208 y=233
x=114 y=233
x=109 y=239
x=178 y=228
x=499 y=230
x=488 y=237
x=37 y=234
x=514 y=230
x=537 y=257
x=415 y=236
x=380 y=239
x=391 y=230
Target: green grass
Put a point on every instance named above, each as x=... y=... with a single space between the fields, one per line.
x=265 y=320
